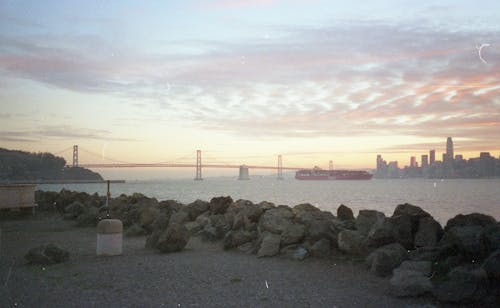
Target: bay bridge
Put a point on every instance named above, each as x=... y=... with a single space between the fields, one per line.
x=198 y=165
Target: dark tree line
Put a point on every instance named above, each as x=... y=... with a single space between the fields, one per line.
x=21 y=166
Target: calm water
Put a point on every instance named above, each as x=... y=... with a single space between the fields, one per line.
x=443 y=199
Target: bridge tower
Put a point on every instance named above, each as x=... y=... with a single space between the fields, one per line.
x=280 y=168
x=75 y=155
x=330 y=165
x=198 y=166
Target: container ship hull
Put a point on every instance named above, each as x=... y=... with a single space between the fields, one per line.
x=327 y=175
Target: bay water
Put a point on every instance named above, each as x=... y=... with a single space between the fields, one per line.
x=443 y=199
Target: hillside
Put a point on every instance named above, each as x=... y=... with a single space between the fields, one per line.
x=25 y=166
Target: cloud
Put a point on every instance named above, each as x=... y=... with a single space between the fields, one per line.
x=59 y=132
x=347 y=79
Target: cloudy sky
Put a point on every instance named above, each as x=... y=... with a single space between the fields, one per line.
x=246 y=80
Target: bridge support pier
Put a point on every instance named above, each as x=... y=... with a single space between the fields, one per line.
x=198 y=166
x=243 y=173
x=280 y=168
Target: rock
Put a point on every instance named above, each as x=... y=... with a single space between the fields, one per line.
x=469 y=240
x=295 y=252
x=135 y=230
x=252 y=212
x=73 y=210
x=47 y=254
x=386 y=258
x=173 y=239
x=88 y=218
x=197 y=208
x=221 y=223
x=366 y=219
x=344 y=213
x=238 y=238
x=429 y=232
x=492 y=234
x=305 y=207
x=390 y=230
x=409 y=283
x=147 y=216
x=293 y=233
x=209 y=233
x=219 y=205
x=248 y=247
x=300 y=254
x=270 y=245
x=410 y=210
x=404 y=228
x=193 y=227
x=276 y=220
x=179 y=217
x=161 y=222
x=319 y=224
x=352 y=242
x=474 y=219
x=381 y=233
x=462 y=285
x=422 y=267
x=321 y=248
x=266 y=205
x=492 y=266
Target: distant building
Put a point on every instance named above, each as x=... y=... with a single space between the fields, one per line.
x=449 y=148
x=432 y=156
x=393 y=170
x=413 y=162
x=425 y=161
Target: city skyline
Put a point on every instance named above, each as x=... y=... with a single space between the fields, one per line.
x=250 y=80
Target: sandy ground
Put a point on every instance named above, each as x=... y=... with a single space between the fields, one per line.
x=203 y=275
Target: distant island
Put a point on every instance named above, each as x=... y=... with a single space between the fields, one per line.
x=17 y=166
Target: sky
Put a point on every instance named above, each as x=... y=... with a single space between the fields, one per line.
x=247 y=80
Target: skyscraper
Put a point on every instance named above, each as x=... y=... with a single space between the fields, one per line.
x=449 y=149
x=432 y=156
x=413 y=162
x=425 y=161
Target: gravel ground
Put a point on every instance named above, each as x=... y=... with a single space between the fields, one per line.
x=203 y=275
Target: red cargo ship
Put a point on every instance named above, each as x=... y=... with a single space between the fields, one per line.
x=320 y=174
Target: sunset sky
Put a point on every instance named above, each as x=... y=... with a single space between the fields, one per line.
x=246 y=80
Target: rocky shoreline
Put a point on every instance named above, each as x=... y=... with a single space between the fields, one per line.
x=458 y=264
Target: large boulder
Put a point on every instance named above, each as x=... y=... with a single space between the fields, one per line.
x=73 y=210
x=391 y=229
x=344 y=213
x=147 y=216
x=47 y=254
x=219 y=205
x=321 y=248
x=429 y=232
x=469 y=240
x=462 y=285
x=173 y=239
x=352 y=242
x=276 y=220
x=305 y=207
x=410 y=210
x=135 y=230
x=422 y=267
x=319 y=224
x=222 y=224
x=409 y=283
x=386 y=258
x=88 y=218
x=238 y=237
x=492 y=266
x=492 y=234
x=179 y=217
x=474 y=219
x=270 y=245
x=293 y=233
x=197 y=208
x=366 y=219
